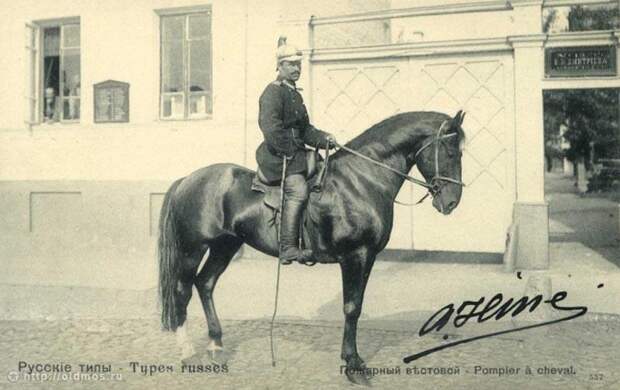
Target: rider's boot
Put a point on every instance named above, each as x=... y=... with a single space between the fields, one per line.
x=294 y=202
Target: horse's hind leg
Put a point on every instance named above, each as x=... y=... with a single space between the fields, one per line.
x=221 y=252
x=182 y=296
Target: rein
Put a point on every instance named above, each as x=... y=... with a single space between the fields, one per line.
x=389 y=168
x=436 y=183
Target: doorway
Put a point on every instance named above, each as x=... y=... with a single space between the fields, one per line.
x=582 y=173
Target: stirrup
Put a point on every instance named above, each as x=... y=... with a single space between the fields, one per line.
x=306 y=260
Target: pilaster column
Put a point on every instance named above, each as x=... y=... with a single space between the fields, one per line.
x=530 y=209
x=527 y=16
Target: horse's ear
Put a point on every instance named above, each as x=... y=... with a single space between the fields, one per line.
x=457 y=121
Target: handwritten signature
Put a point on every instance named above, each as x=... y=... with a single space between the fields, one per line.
x=495 y=308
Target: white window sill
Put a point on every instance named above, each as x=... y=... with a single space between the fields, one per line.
x=190 y=119
x=51 y=125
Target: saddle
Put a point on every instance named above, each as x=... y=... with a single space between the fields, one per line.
x=317 y=169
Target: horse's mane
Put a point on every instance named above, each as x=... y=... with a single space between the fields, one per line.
x=400 y=127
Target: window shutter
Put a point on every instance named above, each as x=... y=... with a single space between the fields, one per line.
x=32 y=75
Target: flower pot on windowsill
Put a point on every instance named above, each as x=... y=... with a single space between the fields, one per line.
x=50 y=106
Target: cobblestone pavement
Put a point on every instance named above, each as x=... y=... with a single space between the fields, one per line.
x=308 y=355
x=591 y=219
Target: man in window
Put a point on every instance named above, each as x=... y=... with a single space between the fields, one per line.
x=283 y=119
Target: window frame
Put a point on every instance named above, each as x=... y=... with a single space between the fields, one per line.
x=61 y=80
x=32 y=95
x=186 y=94
x=36 y=75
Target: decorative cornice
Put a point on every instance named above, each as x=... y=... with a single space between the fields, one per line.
x=412 y=49
x=583 y=38
x=532 y=40
x=444 y=9
x=526 y=3
x=183 y=9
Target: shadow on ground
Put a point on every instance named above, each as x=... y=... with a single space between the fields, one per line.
x=591 y=220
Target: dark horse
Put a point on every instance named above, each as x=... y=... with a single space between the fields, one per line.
x=215 y=209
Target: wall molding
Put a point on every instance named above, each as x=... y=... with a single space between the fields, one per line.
x=443 y=9
x=31 y=201
x=411 y=49
x=583 y=38
x=183 y=10
x=525 y=3
x=533 y=40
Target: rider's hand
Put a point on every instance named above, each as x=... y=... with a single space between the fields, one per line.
x=331 y=139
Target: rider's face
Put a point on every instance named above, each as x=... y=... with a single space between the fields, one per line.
x=289 y=70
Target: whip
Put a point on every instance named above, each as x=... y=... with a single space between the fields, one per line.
x=275 y=305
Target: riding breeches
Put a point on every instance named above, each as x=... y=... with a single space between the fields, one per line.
x=296 y=188
x=295 y=197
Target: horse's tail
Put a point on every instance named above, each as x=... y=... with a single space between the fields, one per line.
x=169 y=256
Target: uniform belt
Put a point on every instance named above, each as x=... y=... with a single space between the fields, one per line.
x=297 y=141
x=276 y=153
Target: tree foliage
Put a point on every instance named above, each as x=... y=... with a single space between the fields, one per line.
x=584 y=18
x=591 y=118
x=581 y=18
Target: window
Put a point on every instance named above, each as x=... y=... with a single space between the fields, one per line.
x=186 y=82
x=53 y=61
x=54 y=87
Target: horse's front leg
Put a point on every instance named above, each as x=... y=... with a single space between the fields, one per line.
x=355 y=271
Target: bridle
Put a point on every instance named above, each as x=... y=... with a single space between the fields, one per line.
x=436 y=183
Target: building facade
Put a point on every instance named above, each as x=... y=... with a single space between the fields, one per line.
x=105 y=103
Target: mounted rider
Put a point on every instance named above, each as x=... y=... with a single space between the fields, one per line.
x=286 y=128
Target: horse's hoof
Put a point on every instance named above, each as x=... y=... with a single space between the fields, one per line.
x=218 y=356
x=192 y=360
x=359 y=378
x=358 y=374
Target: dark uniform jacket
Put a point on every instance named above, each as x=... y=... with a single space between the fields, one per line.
x=283 y=119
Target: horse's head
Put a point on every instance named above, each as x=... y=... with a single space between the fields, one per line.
x=439 y=161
